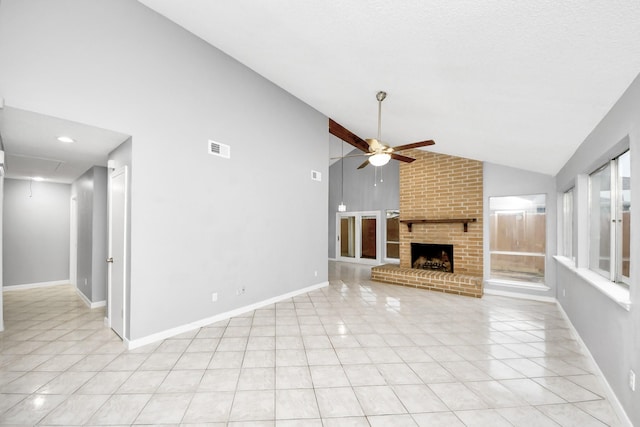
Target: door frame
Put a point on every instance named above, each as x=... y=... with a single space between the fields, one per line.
x=114 y=173
x=73 y=242
x=358 y=237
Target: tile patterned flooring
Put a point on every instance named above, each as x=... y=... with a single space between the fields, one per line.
x=357 y=353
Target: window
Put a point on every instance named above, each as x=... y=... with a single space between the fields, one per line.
x=609 y=219
x=393 y=234
x=567 y=224
x=518 y=238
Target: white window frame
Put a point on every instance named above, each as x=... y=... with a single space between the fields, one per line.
x=615 y=238
x=521 y=283
x=386 y=256
x=568 y=224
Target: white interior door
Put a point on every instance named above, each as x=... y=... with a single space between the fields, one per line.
x=117 y=269
x=358 y=237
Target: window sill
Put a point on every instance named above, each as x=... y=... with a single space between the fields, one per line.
x=617 y=293
x=530 y=286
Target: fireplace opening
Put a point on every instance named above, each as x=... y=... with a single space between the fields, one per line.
x=427 y=256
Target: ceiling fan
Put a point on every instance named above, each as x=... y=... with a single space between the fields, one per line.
x=378 y=153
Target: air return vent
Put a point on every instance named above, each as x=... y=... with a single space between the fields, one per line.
x=218 y=149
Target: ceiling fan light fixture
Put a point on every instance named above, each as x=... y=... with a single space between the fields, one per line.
x=66 y=139
x=380 y=159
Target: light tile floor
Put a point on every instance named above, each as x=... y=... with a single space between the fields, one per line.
x=357 y=353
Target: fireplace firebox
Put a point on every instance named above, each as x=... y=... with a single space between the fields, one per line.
x=436 y=257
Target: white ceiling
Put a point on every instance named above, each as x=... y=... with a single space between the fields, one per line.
x=32 y=149
x=520 y=83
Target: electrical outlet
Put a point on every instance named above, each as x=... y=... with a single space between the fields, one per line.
x=85 y=281
x=214 y=297
x=240 y=291
x=564 y=292
x=632 y=380
x=315 y=273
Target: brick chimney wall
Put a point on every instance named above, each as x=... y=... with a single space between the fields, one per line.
x=438 y=186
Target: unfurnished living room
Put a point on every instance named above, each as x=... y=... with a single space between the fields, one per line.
x=389 y=213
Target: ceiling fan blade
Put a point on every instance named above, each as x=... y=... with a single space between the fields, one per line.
x=414 y=145
x=366 y=162
x=347 y=136
x=402 y=158
x=351 y=155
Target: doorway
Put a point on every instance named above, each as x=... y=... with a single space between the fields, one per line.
x=358 y=237
x=117 y=257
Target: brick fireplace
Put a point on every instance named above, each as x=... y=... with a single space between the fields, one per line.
x=440 y=204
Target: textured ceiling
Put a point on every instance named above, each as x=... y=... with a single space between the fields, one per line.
x=511 y=82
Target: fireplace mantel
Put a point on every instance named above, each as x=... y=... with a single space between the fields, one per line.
x=463 y=221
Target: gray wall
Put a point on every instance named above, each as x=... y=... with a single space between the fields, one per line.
x=99 y=264
x=359 y=192
x=82 y=190
x=90 y=191
x=611 y=333
x=1 y=248
x=200 y=224
x=506 y=181
x=36 y=232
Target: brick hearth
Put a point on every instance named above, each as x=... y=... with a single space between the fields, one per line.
x=452 y=283
x=438 y=186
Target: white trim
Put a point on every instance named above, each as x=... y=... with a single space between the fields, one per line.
x=90 y=304
x=332 y=259
x=490 y=291
x=73 y=241
x=611 y=396
x=132 y=344
x=514 y=284
x=35 y=285
x=107 y=322
x=617 y=293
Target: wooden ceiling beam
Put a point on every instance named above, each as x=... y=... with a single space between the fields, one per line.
x=337 y=130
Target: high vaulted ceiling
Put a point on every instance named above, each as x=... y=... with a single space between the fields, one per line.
x=520 y=83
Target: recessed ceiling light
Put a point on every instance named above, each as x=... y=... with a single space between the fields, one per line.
x=66 y=139
x=38 y=178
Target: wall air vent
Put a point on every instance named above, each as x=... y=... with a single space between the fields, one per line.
x=218 y=149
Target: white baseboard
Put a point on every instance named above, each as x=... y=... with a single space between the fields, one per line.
x=131 y=344
x=90 y=304
x=611 y=396
x=34 y=285
x=541 y=298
